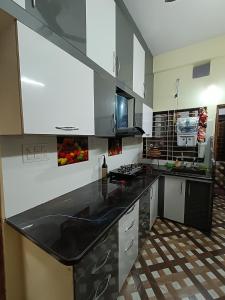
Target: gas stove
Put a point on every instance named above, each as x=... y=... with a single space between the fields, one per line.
x=126 y=171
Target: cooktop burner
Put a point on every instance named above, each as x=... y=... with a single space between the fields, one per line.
x=126 y=171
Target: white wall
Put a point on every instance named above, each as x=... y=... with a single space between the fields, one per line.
x=26 y=185
x=207 y=91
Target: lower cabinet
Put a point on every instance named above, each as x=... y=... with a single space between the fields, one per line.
x=144 y=217
x=96 y=276
x=188 y=202
x=174 y=198
x=153 y=203
x=128 y=242
x=198 y=205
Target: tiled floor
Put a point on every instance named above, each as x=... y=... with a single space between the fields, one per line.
x=180 y=263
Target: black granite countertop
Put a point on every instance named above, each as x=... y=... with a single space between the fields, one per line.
x=163 y=170
x=69 y=226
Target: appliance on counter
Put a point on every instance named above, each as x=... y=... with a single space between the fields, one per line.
x=126 y=116
x=187 y=131
x=126 y=171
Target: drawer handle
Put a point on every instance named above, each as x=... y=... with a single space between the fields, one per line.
x=97 y=268
x=130 y=211
x=130 y=246
x=33 y=3
x=99 y=295
x=131 y=225
x=65 y=128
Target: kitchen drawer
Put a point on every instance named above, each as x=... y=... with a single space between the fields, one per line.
x=125 y=223
x=128 y=242
x=128 y=252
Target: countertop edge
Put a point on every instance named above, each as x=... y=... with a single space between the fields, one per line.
x=77 y=259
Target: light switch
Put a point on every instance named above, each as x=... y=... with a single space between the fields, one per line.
x=35 y=153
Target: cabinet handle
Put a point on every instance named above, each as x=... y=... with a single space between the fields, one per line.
x=97 y=268
x=130 y=246
x=130 y=211
x=129 y=227
x=113 y=123
x=114 y=62
x=65 y=128
x=99 y=295
x=33 y=3
x=117 y=65
x=181 y=187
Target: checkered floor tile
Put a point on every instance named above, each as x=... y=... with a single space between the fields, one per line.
x=178 y=262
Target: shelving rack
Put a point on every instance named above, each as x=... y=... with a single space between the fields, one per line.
x=164 y=136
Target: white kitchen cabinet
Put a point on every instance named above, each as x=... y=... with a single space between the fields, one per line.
x=153 y=203
x=44 y=90
x=20 y=2
x=101 y=33
x=138 y=68
x=147 y=120
x=128 y=242
x=57 y=90
x=174 y=198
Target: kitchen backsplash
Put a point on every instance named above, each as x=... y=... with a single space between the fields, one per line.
x=31 y=175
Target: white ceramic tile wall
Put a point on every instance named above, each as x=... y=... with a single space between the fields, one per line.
x=26 y=185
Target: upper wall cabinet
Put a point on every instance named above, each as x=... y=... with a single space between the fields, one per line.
x=149 y=79
x=101 y=33
x=20 y=2
x=66 y=18
x=138 y=68
x=124 y=49
x=147 y=120
x=105 y=90
x=44 y=90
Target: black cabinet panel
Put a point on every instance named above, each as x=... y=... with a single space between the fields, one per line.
x=144 y=217
x=198 y=205
x=66 y=18
x=96 y=276
x=124 y=48
x=105 y=93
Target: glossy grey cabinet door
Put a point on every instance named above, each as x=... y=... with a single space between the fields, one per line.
x=104 y=95
x=96 y=275
x=138 y=112
x=149 y=79
x=66 y=18
x=124 y=48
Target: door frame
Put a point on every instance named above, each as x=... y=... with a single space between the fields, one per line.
x=2 y=265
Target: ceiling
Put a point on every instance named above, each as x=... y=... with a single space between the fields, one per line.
x=168 y=26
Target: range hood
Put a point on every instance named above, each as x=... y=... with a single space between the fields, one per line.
x=133 y=131
x=128 y=115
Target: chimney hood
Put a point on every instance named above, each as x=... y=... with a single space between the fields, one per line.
x=128 y=115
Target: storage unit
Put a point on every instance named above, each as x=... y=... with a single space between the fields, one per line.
x=138 y=68
x=149 y=79
x=128 y=242
x=101 y=33
x=199 y=204
x=66 y=18
x=105 y=89
x=96 y=276
x=124 y=48
x=153 y=203
x=174 y=198
x=147 y=120
x=20 y=2
x=42 y=86
x=144 y=217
